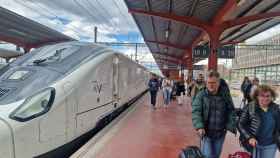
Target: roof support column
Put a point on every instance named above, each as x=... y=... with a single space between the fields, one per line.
x=214 y=35
x=189 y=61
x=213 y=58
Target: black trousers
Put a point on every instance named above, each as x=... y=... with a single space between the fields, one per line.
x=153 y=97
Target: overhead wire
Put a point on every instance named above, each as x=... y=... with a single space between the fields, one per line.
x=23 y=3
x=71 y=27
x=43 y=10
x=124 y=16
x=110 y=24
x=106 y=11
x=90 y=14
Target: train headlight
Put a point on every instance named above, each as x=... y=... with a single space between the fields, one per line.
x=34 y=106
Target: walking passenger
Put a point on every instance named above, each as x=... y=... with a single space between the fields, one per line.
x=259 y=124
x=254 y=86
x=198 y=85
x=245 y=89
x=153 y=88
x=160 y=83
x=167 y=89
x=212 y=115
x=180 y=92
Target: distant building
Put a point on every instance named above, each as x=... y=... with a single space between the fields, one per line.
x=261 y=60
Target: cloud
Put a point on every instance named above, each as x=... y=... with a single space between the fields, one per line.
x=77 y=19
x=80 y=16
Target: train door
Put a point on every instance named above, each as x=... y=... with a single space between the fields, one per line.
x=95 y=94
x=116 y=96
x=71 y=110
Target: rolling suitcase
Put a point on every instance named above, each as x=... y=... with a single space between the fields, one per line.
x=243 y=154
x=192 y=151
x=240 y=154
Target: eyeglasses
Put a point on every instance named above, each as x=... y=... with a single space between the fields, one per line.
x=212 y=83
x=265 y=96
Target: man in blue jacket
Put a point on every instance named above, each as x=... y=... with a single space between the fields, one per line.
x=153 y=88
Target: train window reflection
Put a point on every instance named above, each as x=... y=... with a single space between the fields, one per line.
x=52 y=54
x=19 y=75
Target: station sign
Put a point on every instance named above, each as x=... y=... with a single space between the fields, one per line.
x=201 y=52
x=226 y=52
x=198 y=67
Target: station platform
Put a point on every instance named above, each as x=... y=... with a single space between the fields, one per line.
x=142 y=132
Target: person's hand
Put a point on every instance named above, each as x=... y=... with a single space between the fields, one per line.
x=253 y=142
x=201 y=132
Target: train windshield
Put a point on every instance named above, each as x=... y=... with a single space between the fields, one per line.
x=18 y=75
x=52 y=54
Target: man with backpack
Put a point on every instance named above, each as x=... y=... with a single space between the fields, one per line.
x=153 y=88
x=213 y=115
x=198 y=85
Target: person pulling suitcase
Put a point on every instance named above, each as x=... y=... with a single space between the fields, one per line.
x=192 y=151
x=213 y=114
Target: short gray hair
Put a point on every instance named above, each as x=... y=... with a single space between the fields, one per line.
x=213 y=73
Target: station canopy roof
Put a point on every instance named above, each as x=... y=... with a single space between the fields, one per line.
x=26 y=33
x=168 y=39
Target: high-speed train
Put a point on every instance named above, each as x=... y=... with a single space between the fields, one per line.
x=57 y=93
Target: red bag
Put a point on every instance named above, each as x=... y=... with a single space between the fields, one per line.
x=240 y=154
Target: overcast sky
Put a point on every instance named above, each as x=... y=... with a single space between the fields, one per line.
x=77 y=18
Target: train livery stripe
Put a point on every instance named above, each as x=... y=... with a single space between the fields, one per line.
x=106 y=104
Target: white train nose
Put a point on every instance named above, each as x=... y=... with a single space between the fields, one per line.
x=6 y=145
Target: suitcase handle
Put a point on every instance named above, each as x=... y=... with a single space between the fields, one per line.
x=254 y=155
x=201 y=137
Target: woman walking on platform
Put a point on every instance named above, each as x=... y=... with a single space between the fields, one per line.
x=259 y=124
x=153 y=88
x=167 y=88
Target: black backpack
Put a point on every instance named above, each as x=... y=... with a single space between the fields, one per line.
x=191 y=152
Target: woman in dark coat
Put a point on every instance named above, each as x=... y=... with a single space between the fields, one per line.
x=259 y=124
x=245 y=89
x=180 y=89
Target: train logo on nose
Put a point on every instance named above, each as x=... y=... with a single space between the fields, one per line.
x=97 y=87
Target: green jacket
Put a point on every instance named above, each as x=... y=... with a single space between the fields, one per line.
x=200 y=110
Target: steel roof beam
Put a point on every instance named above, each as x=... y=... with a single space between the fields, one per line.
x=213 y=29
x=169 y=60
x=231 y=42
x=192 y=21
x=219 y=17
x=245 y=12
x=166 y=55
x=248 y=19
x=13 y=40
x=167 y=44
x=45 y=42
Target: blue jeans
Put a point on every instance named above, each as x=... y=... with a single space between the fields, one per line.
x=166 y=96
x=212 y=148
x=153 y=97
x=268 y=151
